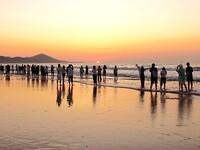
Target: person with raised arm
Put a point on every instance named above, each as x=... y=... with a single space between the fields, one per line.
x=181 y=73
x=141 y=73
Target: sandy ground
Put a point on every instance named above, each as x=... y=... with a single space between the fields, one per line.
x=40 y=115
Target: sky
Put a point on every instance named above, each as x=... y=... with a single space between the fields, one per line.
x=101 y=30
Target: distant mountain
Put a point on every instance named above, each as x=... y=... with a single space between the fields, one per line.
x=41 y=58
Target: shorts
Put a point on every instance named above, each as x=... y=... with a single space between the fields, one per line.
x=154 y=80
x=162 y=80
x=189 y=78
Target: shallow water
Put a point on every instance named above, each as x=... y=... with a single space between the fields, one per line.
x=37 y=114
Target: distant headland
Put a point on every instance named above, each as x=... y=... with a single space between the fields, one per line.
x=40 y=58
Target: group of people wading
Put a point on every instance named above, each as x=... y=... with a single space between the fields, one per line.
x=183 y=76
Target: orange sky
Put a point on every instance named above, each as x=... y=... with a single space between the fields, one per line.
x=106 y=30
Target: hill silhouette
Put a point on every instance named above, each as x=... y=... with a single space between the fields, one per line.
x=40 y=58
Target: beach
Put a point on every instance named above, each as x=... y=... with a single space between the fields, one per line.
x=38 y=114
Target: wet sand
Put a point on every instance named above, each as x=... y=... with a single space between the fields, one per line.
x=39 y=115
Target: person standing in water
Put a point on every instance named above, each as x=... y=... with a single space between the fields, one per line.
x=189 y=76
x=104 y=71
x=94 y=73
x=59 y=74
x=181 y=73
x=163 y=74
x=70 y=72
x=115 y=72
x=99 y=74
x=86 y=70
x=81 y=71
x=63 y=73
x=141 y=73
x=154 y=76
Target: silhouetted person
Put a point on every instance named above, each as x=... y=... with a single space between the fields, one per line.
x=154 y=76
x=189 y=76
x=28 y=71
x=141 y=73
x=70 y=72
x=163 y=74
x=81 y=71
x=7 y=70
x=94 y=75
x=59 y=74
x=63 y=73
x=86 y=70
x=99 y=74
x=104 y=71
x=52 y=71
x=115 y=72
x=181 y=73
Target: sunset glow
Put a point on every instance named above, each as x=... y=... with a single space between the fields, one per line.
x=106 y=30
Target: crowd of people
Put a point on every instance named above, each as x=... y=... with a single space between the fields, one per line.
x=98 y=72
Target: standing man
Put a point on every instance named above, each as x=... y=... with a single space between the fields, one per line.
x=189 y=76
x=154 y=76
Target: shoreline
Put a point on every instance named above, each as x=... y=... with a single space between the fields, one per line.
x=40 y=115
x=85 y=79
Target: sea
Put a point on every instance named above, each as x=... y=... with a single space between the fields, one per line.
x=128 y=76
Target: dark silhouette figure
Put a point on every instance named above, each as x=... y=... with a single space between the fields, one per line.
x=115 y=72
x=141 y=73
x=154 y=76
x=99 y=74
x=52 y=71
x=63 y=73
x=189 y=76
x=94 y=73
x=104 y=71
x=59 y=74
x=70 y=73
x=163 y=74
x=86 y=70
x=81 y=71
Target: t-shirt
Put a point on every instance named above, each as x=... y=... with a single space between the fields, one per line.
x=163 y=74
x=154 y=72
x=70 y=71
x=189 y=71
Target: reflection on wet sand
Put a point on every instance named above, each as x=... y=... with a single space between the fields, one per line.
x=70 y=96
x=141 y=96
x=163 y=101
x=184 y=107
x=116 y=117
x=153 y=105
x=94 y=94
x=59 y=99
